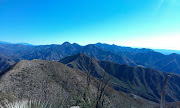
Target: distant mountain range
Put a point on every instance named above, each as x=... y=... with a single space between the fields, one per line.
x=163 y=51
x=16 y=43
x=167 y=52
x=123 y=55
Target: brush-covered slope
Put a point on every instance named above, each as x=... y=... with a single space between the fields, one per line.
x=144 y=82
x=57 y=83
x=38 y=79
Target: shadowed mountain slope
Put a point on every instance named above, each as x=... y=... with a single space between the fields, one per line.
x=144 y=82
x=85 y=63
x=6 y=62
x=148 y=59
x=167 y=63
x=101 y=54
x=170 y=63
x=80 y=60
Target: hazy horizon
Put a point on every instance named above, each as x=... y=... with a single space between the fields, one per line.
x=151 y=24
x=87 y=44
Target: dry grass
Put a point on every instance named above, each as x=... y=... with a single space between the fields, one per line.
x=27 y=104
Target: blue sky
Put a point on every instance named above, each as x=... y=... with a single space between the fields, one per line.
x=137 y=23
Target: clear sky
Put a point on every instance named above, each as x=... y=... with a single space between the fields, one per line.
x=137 y=23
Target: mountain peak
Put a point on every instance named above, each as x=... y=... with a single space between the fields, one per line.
x=81 y=54
x=173 y=54
x=66 y=44
x=99 y=43
x=76 y=44
x=73 y=57
x=91 y=46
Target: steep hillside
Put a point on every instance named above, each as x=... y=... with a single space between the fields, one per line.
x=85 y=63
x=80 y=61
x=6 y=62
x=39 y=79
x=167 y=63
x=57 y=83
x=170 y=63
x=141 y=81
x=148 y=59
